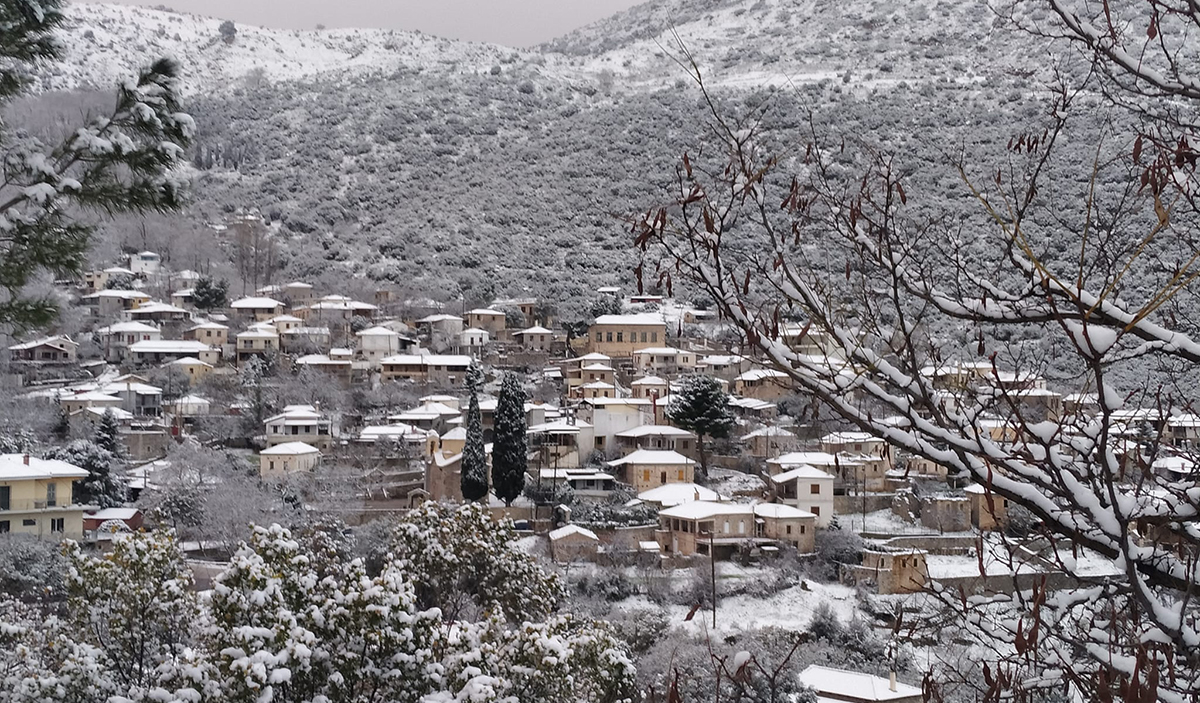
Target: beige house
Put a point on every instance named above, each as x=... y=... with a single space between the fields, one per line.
x=573 y=543
x=808 y=489
x=493 y=321
x=667 y=361
x=259 y=309
x=193 y=368
x=37 y=497
x=259 y=341
x=697 y=527
x=650 y=387
x=989 y=511
x=48 y=350
x=472 y=340
x=164 y=350
x=622 y=335
x=299 y=423
x=213 y=334
x=536 y=338
x=762 y=384
x=119 y=336
x=441 y=368
x=288 y=458
x=859 y=443
x=900 y=571
x=650 y=468
x=658 y=437
x=75 y=402
x=109 y=303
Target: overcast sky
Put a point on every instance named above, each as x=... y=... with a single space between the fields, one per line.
x=510 y=22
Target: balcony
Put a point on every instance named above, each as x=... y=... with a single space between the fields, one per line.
x=27 y=505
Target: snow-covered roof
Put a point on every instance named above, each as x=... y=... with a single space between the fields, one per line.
x=190 y=361
x=760 y=374
x=114 y=293
x=700 y=509
x=458 y=433
x=536 y=329
x=265 y=332
x=559 y=426
x=378 y=331
x=16 y=467
x=746 y=403
x=599 y=386
x=805 y=471
x=780 y=511
x=635 y=320
x=255 y=303
x=428 y=359
x=290 y=448
x=485 y=311
x=653 y=457
x=92 y=397
x=661 y=351
x=130 y=387
x=655 y=431
x=596 y=367
x=209 y=325
x=169 y=346
x=649 y=381
x=51 y=341
x=113 y=514
x=438 y=317
x=841 y=684
x=671 y=494
x=769 y=431
x=126 y=328
x=594 y=356
x=296 y=412
x=849 y=438
x=153 y=307
x=802 y=458
x=568 y=530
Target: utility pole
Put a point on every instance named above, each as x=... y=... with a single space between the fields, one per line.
x=712 y=563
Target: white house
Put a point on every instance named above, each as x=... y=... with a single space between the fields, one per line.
x=288 y=458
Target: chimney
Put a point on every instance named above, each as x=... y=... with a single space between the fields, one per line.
x=27 y=460
x=892 y=681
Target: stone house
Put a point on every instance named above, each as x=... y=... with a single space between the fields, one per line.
x=622 y=335
x=287 y=458
x=806 y=488
x=649 y=468
x=697 y=527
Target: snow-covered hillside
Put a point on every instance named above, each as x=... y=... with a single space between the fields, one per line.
x=106 y=43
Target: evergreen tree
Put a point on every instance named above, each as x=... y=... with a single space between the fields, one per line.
x=120 y=281
x=701 y=406
x=509 y=458
x=120 y=162
x=209 y=293
x=474 y=457
x=101 y=488
x=108 y=435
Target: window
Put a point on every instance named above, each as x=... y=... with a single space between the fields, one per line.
x=645 y=475
x=5 y=496
x=802 y=529
x=620 y=336
x=815 y=489
x=789 y=529
x=816 y=510
x=654 y=336
x=741 y=527
x=681 y=474
x=58 y=524
x=725 y=529
x=51 y=495
x=610 y=336
x=599 y=336
x=271 y=465
x=29 y=522
x=4 y=526
x=643 y=336
x=662 y=477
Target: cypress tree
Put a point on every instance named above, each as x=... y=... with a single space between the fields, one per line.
x=474 y=478
x=701 y=406
x=509 y=447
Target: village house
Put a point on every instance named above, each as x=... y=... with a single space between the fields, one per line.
x=989 y=511
x=338 y=364
x=649 y=468
x=111 y=303
x=306 y=338
x=672 y=494
x=137 y=397
x=160 y=351
x=158 y=313
x=889 y=571
x=622 y=335
x=666 y=361
x=214 y=334
x=492 y=321
x=336 y=309
x=287 y=458
x=256 y=309
x=376 y=343
x=856 y=687
x=536 y=338
x=857 y=443
x=299 y=423
x=586 y=483
x=806 y=488
x=429 y=415
x=609 y=416
x=769 y=442
x=573 y=543
x=115 y=339
x=37 y=497
x=441 y=329
x=473 y=340
x=438 y=368
x=258 y=341
x=285 y=323
x=59 y=349
x=183 y=297
x=443 y=476
x=658 y=437
x=72 y=403
x=145 y=263
x=649 y=387
x=697 y=527
x=98 y=279
x=296 y=293
x=762 y=384
x=724 y=366
x=564 y=442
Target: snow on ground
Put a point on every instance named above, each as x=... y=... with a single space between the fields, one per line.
x=791 y=609
x=729 y=482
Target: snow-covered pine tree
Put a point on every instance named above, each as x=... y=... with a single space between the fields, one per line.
x=509 y=448
x=101 y=487
x=123 y=161
x=474 y=456
x=108 y=435
x=210 y=293
x=701 y=406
